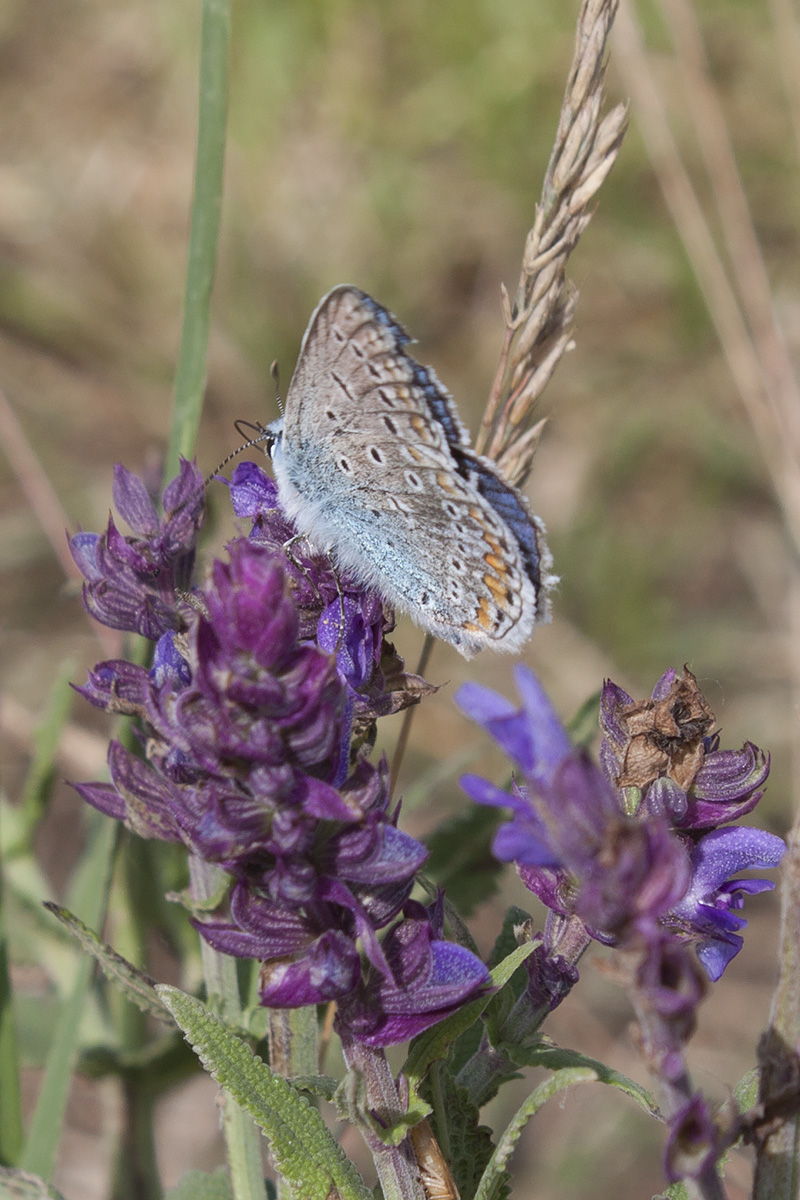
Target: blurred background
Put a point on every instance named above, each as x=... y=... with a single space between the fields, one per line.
x=401 y=148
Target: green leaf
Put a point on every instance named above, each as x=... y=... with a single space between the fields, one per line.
x=198 y=1185
x=493 y=1178
x=88 y=895
x=435 y=1042
x=21 y=1185
x=305 y=1153
x=137 y=986
x=501 y=1004
x=461 y=859
x=556 y=1058
x=746 y=1091
x=506 y=941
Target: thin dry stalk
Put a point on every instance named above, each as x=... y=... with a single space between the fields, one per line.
x=746 y=262
x=787 y=51
x=750 y=373
x=539 y=320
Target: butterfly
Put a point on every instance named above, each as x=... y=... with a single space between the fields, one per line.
x=374 y=466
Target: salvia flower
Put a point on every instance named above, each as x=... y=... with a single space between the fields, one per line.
x=253 y=718
x=625 y=848
x=136 y=583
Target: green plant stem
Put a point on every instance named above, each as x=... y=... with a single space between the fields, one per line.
x=242 y=1139
x=396 y=1166
x=190 y=376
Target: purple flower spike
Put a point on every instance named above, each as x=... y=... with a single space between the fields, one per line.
x=617 y=847
x=253 y=719
x=134 y=583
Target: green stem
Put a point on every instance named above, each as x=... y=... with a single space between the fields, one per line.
x=396 y=1166
x=190 y=376
x=242 y=1139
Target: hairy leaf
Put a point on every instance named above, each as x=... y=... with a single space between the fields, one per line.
x=304 y=1151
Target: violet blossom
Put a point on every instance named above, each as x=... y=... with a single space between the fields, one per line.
x=631 y=846
x=255 y=719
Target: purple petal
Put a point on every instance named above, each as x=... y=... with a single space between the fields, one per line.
x=117 y=686
x=330 y=968
x=187 y=489
x=719 y=855
x=482 y=704
x=612 y=699
x=523 y=841
x=484 y=792
x=549 y=740
x=102 y=796
x=664 y=684
x=252 y=490
x=83 y=547
x=169 y=665
x=133 y=503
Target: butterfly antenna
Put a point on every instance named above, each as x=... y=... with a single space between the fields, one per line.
x=240 y=426
x=275 y=372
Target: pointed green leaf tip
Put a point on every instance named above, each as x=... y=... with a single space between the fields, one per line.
x=304 y=1152
x=136 y=985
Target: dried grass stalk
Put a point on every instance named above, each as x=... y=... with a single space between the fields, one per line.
x=539 y=320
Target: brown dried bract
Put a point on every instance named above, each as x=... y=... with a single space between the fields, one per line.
x=666 y=736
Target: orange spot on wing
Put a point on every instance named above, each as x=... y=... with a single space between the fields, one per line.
x=483 y=615
x=498 y=589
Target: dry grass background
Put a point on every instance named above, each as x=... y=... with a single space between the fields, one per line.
x=401 y=148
